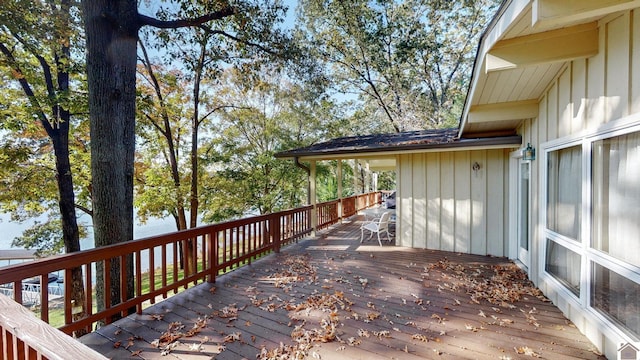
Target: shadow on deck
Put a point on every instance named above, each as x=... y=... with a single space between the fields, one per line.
x=333 y=298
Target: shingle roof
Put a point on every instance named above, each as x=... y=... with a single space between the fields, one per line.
x=394 y=142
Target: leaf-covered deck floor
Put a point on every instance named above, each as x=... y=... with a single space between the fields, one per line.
x=333 y=298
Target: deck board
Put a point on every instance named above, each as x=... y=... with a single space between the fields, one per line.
x=417 y=304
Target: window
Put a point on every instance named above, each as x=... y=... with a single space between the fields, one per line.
x=564 y=191
x=616 y=297
x=616 y=197
x=564 y=265
x=596 y=255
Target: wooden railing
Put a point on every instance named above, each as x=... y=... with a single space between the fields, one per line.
x=327 y=213
x=208 y=251
x=23 y=336
x=351 y=205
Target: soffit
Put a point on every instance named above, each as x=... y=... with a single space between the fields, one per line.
x=522 y=52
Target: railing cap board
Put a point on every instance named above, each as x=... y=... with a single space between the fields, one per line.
x=40 y=336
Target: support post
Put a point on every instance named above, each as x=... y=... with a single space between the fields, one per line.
x=339 y=181
x=367 y=180
x=312 y=194
x=356 y=177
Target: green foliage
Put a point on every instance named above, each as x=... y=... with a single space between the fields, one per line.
x=43 y=139
x=164 y=138
x=269 y=114
x=407 y=61
x=387 y=180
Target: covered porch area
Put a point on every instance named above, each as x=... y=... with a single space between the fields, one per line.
x=332 y=297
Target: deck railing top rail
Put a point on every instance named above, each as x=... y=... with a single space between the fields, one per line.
x=26 y=337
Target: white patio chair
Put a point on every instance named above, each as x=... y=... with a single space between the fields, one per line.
x=376 y=226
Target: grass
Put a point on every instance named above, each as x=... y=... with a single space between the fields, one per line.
x=56 y=314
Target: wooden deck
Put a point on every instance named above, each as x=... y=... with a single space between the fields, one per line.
x=333 y=298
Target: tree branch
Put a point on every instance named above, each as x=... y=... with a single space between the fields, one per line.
x=26 y=87
x=235 y=38
x=175 y=24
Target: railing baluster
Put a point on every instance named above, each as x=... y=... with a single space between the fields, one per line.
x=17 y=292
x=235 y=237
x=175 y=264
x=107 y=286
x=123 y=282
x=163 y=268
x=152 y=273
x=68 y=288
x=88 y=289
x=194 y=258
x=44 y=298
x=138 y=279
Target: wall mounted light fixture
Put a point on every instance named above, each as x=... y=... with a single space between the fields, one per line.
x=528 y=153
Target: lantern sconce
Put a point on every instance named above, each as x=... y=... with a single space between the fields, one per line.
x=529 y=153
x=475 y=167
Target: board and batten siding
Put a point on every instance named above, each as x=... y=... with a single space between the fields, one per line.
x=585 y=95
x=443 y=204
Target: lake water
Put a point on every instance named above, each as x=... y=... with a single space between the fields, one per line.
x=10 y=230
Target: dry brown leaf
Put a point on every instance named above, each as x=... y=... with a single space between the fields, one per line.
x=420 y=337
x=525 y=350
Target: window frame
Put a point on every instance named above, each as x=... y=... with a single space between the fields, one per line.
x=583 y=246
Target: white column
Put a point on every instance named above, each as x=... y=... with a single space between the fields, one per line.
x=339 y=181
x=356 y=176
x=374 y=181
x=313 y=197
x=367 y=177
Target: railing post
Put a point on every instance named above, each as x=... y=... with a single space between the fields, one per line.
x=274 y=231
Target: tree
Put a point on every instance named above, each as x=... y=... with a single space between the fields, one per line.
x=270 y=114
x=406 y=60
x=36 y=49
x=112 y=33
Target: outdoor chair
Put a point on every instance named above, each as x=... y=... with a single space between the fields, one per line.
x=376 y=226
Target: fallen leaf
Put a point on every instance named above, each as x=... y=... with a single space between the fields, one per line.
x=420 y=337
x=525 y=350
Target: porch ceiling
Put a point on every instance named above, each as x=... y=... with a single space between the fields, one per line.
x=522 y=51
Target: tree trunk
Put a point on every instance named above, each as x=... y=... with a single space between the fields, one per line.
x=70 y=233
x=193 y=192
x=112 y=32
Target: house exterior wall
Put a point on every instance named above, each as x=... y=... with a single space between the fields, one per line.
x=444 y=204
x=588 y=97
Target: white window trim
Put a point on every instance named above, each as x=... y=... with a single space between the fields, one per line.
x=515 y=159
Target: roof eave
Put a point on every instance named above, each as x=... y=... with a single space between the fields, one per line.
x=489 y=37
x=460 y=144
